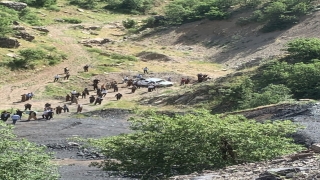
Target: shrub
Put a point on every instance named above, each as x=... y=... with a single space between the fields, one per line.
x=29 y=17
x=21 y=159
x=86 y=4
x=130 y=6
x=39 y=3
x=303 y=50
x=53 y=8
x=163 y=146
x=7 y=16
x=129 y=23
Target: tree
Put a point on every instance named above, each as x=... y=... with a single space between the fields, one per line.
x=303 y=50
x=163 y=146
x=21 y=159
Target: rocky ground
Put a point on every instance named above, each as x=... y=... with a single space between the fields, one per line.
x=74 y=160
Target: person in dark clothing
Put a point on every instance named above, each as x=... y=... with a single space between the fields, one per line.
x=18 y=112
x=118 y=96
x=5 y=115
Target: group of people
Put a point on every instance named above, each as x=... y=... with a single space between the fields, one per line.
x=27 y=96
x=66 y=77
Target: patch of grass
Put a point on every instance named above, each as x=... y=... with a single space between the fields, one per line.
x=121 y=104
x=52 y=90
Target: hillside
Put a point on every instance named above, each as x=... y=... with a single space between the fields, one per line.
x=222 y=49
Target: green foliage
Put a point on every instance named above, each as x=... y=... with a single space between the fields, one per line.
x=31 y=57
x=21 y=159
x=85 y=4
x=122 y=57
x=278 y=14
x=7 y=16
x=129 y=23
x=29 y=17
x=182 y=11
x=39 y=3
x=303 y=50
x=72 y=20
x=302 y=79
x=130 y=6
x=163 y=146
x=53 y=8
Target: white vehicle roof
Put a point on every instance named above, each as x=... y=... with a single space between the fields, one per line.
x=153 y=79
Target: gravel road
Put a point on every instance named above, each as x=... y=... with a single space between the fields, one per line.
x=73 y=161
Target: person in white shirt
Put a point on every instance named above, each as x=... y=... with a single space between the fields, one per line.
x=145 y=70
x=104 y=92
x=15 y=118
x=56 y=78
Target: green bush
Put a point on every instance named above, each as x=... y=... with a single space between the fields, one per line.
x=21 y=159
x=303 y=50
x=39 y=3
x=72 y=20
x=53 y=8
x=163 y=146
x=130 y=6
x=29 y=17
x=7 y=16
x=85 y=4
x=129 y=23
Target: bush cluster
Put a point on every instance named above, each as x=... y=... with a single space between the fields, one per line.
x=162 y=146
x=31 y=57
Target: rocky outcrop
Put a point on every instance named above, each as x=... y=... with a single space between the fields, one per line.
x=40 y=28
x=18 y=6
x=9 y=43
x=24 y=35
x=153 y=56
x=96 y=41
x=304 y=165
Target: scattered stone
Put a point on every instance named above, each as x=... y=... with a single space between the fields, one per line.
x=97 y=41
x=40 y=28
x=13 y=55
x=18 y=6
x=17 y=27
x=59 y=20
x=80 y=10
x=93 y=27
x=24 y=35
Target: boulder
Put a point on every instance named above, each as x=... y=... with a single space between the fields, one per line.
x=93 y=27
x=316 y=147
x=17 y=27
x=9 y=43
x=98 y=41
x=25 y=35
x=18 y=6
x=40 y=28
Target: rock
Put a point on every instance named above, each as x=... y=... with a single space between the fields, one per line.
x=18 y=6
x=80 y=10
x=13 y=55
x=98 y=41
x=93 y=27
x=59 y=20
x=9 y=43
x=17 y=27
x=24 y=35
x=40 y=28
x=316 y=147
x=148 y=56
x=73 y=144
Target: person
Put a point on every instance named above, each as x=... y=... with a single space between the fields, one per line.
x=65 y=108
x=86 y=68
x=182 y=82
x=45 y=113
x=27 y=106
x=49 y=114
x=92 y=99
x=74 y=92
x=79 y=109
x=150 y=87
x=18 y=112
x=133 y=89
x=98 y=100
x=139 y=76
x=66 y=70
x=125 y=79
x=169 y=79
x=32 y=115
x=68 y=98
x=15 y=118
x=118 y=96
x=145 y=70
x=59 y=109
x=66 y=77
x=56 y=78
x=5 y=115
x=104 y=92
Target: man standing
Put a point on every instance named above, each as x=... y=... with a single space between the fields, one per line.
x=145 y=70
x=65 y=108
x=18 y=112
x=15 y=118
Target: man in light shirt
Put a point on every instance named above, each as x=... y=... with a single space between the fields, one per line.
x=15 y=118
